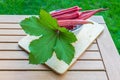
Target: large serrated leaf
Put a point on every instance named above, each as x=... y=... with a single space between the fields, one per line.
x=32 y=26
x=48 y=19
x=64 y=50
x=67 y=35
x=42 y=49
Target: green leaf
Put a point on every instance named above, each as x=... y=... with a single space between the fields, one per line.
x=42 y=49
x=32 y=26
x=64 y=50
x=48 y=20
x=67 y=35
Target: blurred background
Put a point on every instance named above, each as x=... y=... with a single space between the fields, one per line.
x=32 y=7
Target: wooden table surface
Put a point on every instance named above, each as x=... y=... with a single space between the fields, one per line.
x=100 y=61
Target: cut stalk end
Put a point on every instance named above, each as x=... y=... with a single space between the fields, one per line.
x=89 y=22
x=104 y=9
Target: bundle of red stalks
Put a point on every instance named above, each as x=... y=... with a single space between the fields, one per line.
x=71 y=17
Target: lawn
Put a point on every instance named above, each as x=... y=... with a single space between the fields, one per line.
x=32 y=7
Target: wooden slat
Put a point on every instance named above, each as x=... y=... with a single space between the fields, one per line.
x=14 y=46
x=11 y=32
x=110 y=55
x=12 y=18
x=91 y=55
x=49 y=75
x=11 y=38
x=24 y=65
x=10 y=26
x=9 y=46
x=18 y=18
x=93 y=47
x=88 y=65
x=23 y=55
x=7 y=55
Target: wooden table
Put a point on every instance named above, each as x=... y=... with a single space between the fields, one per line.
x=99 y=62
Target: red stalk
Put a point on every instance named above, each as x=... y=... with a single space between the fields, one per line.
x=68 y=16
x=86 y=14
x=64 y=11
x=72 y=22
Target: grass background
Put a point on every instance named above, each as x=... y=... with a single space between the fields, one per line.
x=32 y=7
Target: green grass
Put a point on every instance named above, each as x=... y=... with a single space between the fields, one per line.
x=32 y=7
